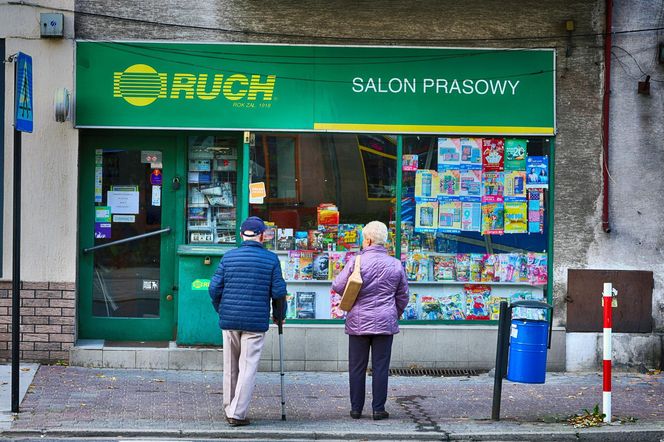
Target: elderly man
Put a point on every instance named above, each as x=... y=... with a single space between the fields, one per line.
x=241 y=289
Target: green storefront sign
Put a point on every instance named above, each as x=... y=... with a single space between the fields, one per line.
x=315 y=88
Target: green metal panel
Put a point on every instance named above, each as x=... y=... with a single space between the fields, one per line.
x=320 y=88
x=198 y=323
x=161 y=328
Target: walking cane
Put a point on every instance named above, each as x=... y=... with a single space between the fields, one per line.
x=280 y=325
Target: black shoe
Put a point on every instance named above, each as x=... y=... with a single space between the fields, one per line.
x=237 y=422
x=380 y=415
x=355 y=414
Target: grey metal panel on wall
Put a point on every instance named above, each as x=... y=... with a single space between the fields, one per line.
x=584 y=300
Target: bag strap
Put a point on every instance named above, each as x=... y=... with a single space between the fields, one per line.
x=357 y=263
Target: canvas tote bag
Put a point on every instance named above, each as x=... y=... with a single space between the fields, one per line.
x=353 y=286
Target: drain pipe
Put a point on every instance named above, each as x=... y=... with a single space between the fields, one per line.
x=605 y=117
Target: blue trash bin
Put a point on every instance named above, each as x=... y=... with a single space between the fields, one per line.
x=527 y=352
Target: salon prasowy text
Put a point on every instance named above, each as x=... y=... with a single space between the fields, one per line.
x=398 y=85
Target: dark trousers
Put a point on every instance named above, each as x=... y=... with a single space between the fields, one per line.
x=358 y=359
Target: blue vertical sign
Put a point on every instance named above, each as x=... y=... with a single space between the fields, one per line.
x=23 y=93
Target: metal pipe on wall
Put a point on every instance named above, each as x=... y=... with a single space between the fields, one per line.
x=605 y=117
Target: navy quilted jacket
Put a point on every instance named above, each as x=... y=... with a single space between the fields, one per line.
x=242 y=286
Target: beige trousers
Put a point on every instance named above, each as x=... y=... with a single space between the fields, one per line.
x=242 y=351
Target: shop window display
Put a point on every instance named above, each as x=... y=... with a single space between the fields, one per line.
x=320 y=191
x=474 y=228
x=474 y=213
x=212 y=190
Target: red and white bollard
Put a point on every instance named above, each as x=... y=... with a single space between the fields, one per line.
x=607 y=300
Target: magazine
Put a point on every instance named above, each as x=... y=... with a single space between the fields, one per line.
x=515 y=154
x=493 y=218
x=538 y=172
x=493 y=154
x=449 y=215
x=444 y=267
x=452 y=307
x=449 y=151
x=321 y=269
x=477 y=301
x=471 y=151
x=516 y=217
x=306 y=305
x=493 y=187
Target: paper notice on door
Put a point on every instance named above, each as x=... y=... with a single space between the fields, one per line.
x=102 y=214
x=124 y=219
x=257 y=193
x=122 y=202
x=99 y=173
x=103 y=230
x=156 y=195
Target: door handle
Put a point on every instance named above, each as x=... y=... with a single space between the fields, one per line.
x=122 y=241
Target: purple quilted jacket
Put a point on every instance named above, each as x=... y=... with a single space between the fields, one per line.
x=383 y=296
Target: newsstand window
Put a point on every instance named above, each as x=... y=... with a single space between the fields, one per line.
x=212 y=190
x=474 y=225
x=320 y=191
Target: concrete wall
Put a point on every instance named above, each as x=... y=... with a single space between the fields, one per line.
x=636 y=240
x=49 y=154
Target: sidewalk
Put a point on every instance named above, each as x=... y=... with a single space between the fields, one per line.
x=26 y=374
x=83 y=402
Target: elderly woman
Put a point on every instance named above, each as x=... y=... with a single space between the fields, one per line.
x=374 y=319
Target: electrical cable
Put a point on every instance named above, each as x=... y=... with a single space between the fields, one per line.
x=337 y=38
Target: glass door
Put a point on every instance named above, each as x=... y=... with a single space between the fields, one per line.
x=127 y=227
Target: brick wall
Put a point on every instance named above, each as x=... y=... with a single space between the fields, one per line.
x=48 y=320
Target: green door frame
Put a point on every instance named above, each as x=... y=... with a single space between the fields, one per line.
x=162 y=328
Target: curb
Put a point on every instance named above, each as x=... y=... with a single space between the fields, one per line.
x=610 y=434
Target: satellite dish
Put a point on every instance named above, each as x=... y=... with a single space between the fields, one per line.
x=61 y=103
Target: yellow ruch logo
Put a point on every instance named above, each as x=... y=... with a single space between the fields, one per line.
x=141 y=85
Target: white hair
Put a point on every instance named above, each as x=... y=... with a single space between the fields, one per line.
x=375 y=231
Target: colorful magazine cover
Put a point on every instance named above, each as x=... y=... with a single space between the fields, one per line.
x=494 y=306
x=336 y=263
x=493 y=154
x=292 y=269
x=535 y=211
x=516 y=151
x=471 y=152
x=493 y=218
x=449 y=182
x=349 y=237
x=321 y=266
x=426 y=184
x=301 y=240
x=444 y=267
x=537 y=268
x=306 y=305
x=471 y=216
x=493 y=187
x=270 y=236
x=489 y=265
x=477 y=301
x=426 y=216
x=516 y=220
x=410 y=312
x=449 y=215
x=470 y=183
x=417 y=267
x=306 y=267
x=329 y=236
x=452 y=307
x=409 y=163
x=335 y=301
x=476 y=264
x=430 y=307
x=285 y=239
x=449 y=152
x=291 y=308
x=463 y=267
x=515 y=185
x=538 y=172
x=509 y=266
x=314 y=240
